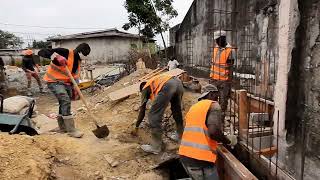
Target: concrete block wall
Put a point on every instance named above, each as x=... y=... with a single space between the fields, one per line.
x=105 y=49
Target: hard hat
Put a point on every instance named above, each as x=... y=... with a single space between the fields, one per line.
x=206 y=90
x=219 y=33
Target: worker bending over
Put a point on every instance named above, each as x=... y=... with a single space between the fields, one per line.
x=60 y=84
x=202 y=133
x=162 y=89
x=221 y=70
x=31 y=69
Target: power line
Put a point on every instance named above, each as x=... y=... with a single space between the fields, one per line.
x=33 y=33
x=48 y=27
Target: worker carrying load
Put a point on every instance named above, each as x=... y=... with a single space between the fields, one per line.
x=162 y=89
x=31 y=69
x=223 y=58
x=201 y=135
x=60 y=84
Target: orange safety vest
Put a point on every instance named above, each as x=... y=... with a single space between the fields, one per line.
x=195 y=142
x=156 y=83
x=220 y=68
x=58 y=73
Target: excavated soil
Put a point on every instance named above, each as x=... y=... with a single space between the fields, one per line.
x=57 y=156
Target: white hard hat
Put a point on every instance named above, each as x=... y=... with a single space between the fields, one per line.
x=206 y=90
x=219 y=33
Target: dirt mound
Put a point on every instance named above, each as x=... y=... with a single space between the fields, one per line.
x=25 y=157
x=150 y=175
x=57 y=156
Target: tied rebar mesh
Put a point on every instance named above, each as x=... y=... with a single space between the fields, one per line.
x=253 y=71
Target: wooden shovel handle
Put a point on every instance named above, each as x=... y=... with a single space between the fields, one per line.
x=75 y=85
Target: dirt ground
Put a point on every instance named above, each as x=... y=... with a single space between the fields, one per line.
x=57 y=156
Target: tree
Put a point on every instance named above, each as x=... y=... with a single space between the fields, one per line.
x=143 y=15
x=40 y=44
x=9 y=40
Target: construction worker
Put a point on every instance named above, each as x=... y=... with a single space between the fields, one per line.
x=162 y=89
x=202 y=133
x=31 y=69
x=2 y=76
x=60 y=84
x=221 y=70
x=172 y=64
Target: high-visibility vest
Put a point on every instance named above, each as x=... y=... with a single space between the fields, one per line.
x=196 y=142
x=220 y=67
x=58 y=73
x=156 y=83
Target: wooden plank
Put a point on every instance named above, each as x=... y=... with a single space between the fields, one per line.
x=174 y=72
x=147 y=75
x=268 y=152
x=229 y=167
x=124 y=92
x=243 y=110
x=258 y=132
x=135 y=88
x=153 y=74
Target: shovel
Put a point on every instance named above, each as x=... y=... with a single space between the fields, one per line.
x=100 y=131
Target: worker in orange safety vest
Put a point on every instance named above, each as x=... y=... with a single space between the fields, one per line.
x=202 y=133
x=223 y=58
x=162 y=90
x=60 y=83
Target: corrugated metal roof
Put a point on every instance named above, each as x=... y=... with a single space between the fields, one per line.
x=93 y=34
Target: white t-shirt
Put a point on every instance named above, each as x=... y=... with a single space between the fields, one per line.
x=173 y=64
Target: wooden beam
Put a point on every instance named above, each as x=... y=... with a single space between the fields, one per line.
x=229 y=167
x=268 y=152
x=258 y=132
x=147 y=75
x=242 y=99
x=135 y=88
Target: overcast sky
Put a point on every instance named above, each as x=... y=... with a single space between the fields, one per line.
x=78 y=14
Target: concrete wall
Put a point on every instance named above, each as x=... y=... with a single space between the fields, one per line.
x=251 y=27
x=105 y=50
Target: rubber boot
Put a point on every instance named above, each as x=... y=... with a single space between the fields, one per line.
x=62 y=127
x=42 y=91
x=156 y=146
x=174 y=137
x=178 y=134
x=70 y=127
x=29 y=93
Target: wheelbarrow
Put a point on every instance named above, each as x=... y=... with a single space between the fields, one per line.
x=17 y=123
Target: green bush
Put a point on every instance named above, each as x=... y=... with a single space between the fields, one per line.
x=45 y=61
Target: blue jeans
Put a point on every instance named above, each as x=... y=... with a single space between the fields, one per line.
x=63 y=93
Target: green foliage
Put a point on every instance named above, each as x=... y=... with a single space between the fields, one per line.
x=9 y=40
x=45 y=61
x=143 y=15
x=40 y=44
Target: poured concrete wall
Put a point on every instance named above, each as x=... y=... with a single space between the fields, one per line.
x=251 y=27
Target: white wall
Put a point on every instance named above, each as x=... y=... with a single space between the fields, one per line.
x=107 y=49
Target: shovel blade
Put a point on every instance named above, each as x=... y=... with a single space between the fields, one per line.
x=101 y=132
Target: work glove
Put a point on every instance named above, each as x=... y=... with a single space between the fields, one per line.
x=233 y=140
x=62 y=60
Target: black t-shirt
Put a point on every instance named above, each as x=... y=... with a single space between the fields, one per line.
x=47 y=53
x=28 y=63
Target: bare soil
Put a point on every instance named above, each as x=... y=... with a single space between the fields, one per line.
x=57 y=156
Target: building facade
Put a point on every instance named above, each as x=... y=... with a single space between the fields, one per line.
x=107 y=46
